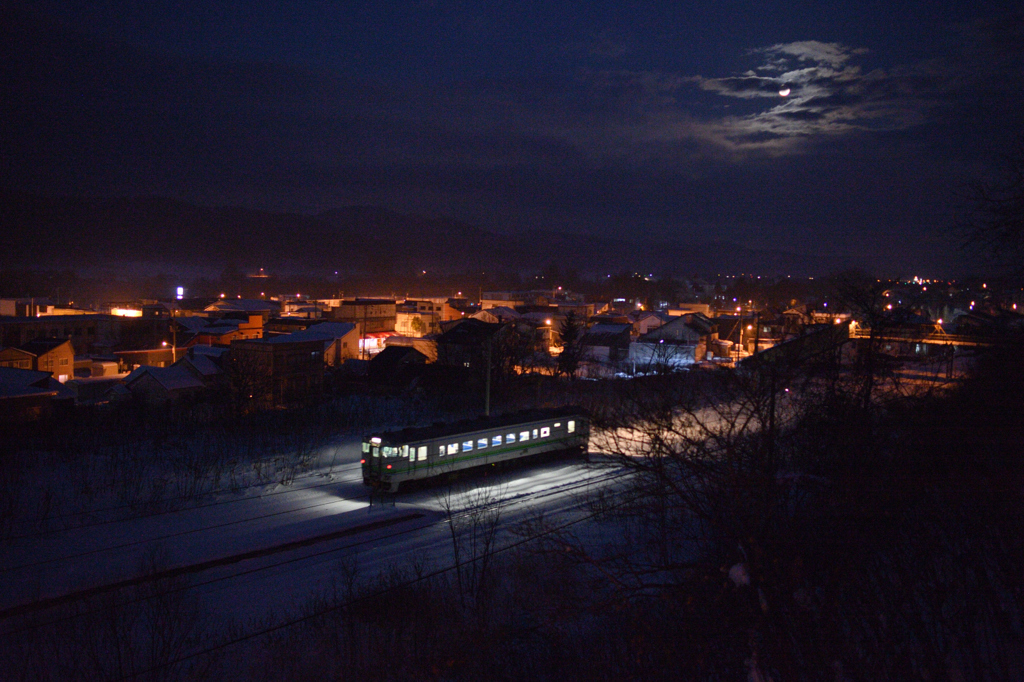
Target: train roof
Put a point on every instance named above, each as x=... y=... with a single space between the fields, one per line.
x=441 y=430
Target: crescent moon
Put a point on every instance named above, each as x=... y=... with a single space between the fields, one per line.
x=784 y=92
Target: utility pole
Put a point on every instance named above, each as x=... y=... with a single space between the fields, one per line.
x=174 y=337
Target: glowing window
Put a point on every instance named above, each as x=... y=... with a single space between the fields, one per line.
x=467 y=446
x=481 y=443
x=376 y=452
x=545 y=432
x=441 y=451
x=453 y=448
x=535 y=434
x=496 y=440
x=558 y=424
x=510 y=438
x=422 y=454
x=366 y=447
x=572 y=426
x=524 y=435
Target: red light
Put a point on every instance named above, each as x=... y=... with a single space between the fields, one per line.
x=362 y=461
x=389 y=466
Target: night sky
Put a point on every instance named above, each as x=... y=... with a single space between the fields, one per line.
x=842 y=128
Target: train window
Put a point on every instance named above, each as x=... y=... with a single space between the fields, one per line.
x=453 y=448
x=440 y=451
x=366 y=447
x=558 y=424
x=481 y=443
x=545 y=432
x=422 y=454
x=496 y=440
x=411 y=451
x=572 y=425
x=535 y=434
x=524 y=435
x=376 y=451
x=467 y=446
x=510 y=438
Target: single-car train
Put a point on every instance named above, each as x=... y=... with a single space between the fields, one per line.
x=398 y=457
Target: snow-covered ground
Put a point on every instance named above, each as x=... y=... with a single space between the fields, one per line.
x=263 y=550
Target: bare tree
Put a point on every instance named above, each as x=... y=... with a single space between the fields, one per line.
x=994 y=223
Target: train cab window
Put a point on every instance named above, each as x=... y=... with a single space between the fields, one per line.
x=467 y=446
x=523 y=436
x=481 y=443
x=545 y=432
x=535 y=434
x=496 y=440
x=366 y=448
x=422 y=453
x=572 y=425
x=453 y=448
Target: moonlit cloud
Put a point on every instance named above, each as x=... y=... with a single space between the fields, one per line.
x=828 y=95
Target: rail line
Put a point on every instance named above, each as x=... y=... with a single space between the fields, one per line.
x=293 y=563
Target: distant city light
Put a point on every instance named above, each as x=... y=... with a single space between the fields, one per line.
x=180 y=293
x=126 y=312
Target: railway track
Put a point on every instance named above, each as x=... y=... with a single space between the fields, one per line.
x=291 y=558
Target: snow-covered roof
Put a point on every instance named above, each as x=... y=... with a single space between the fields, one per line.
x=503 y=312
x=174 y=378
x=193 y=323
x=203 y=349
x=22 y=381
x=608 y=329
x=245 y=305
x=334 y=330
x=204 y=364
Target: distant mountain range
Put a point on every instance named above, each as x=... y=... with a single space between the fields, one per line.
x=80 y=233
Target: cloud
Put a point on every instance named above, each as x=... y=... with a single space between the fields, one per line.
x=829 y=95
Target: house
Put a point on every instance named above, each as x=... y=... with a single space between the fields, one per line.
x=372 y=315
x=30 y=395
x=84 y=331
x=608 y=342
x=230 y=328
x=646 y=320
x=340 y=339
x=246 y=306
x=396 y=365
x=277 y=370
x=680 y=341
x=465 y=343
x=16 y=358
x=427 y=346
x=160 y=385
x=56 y=356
